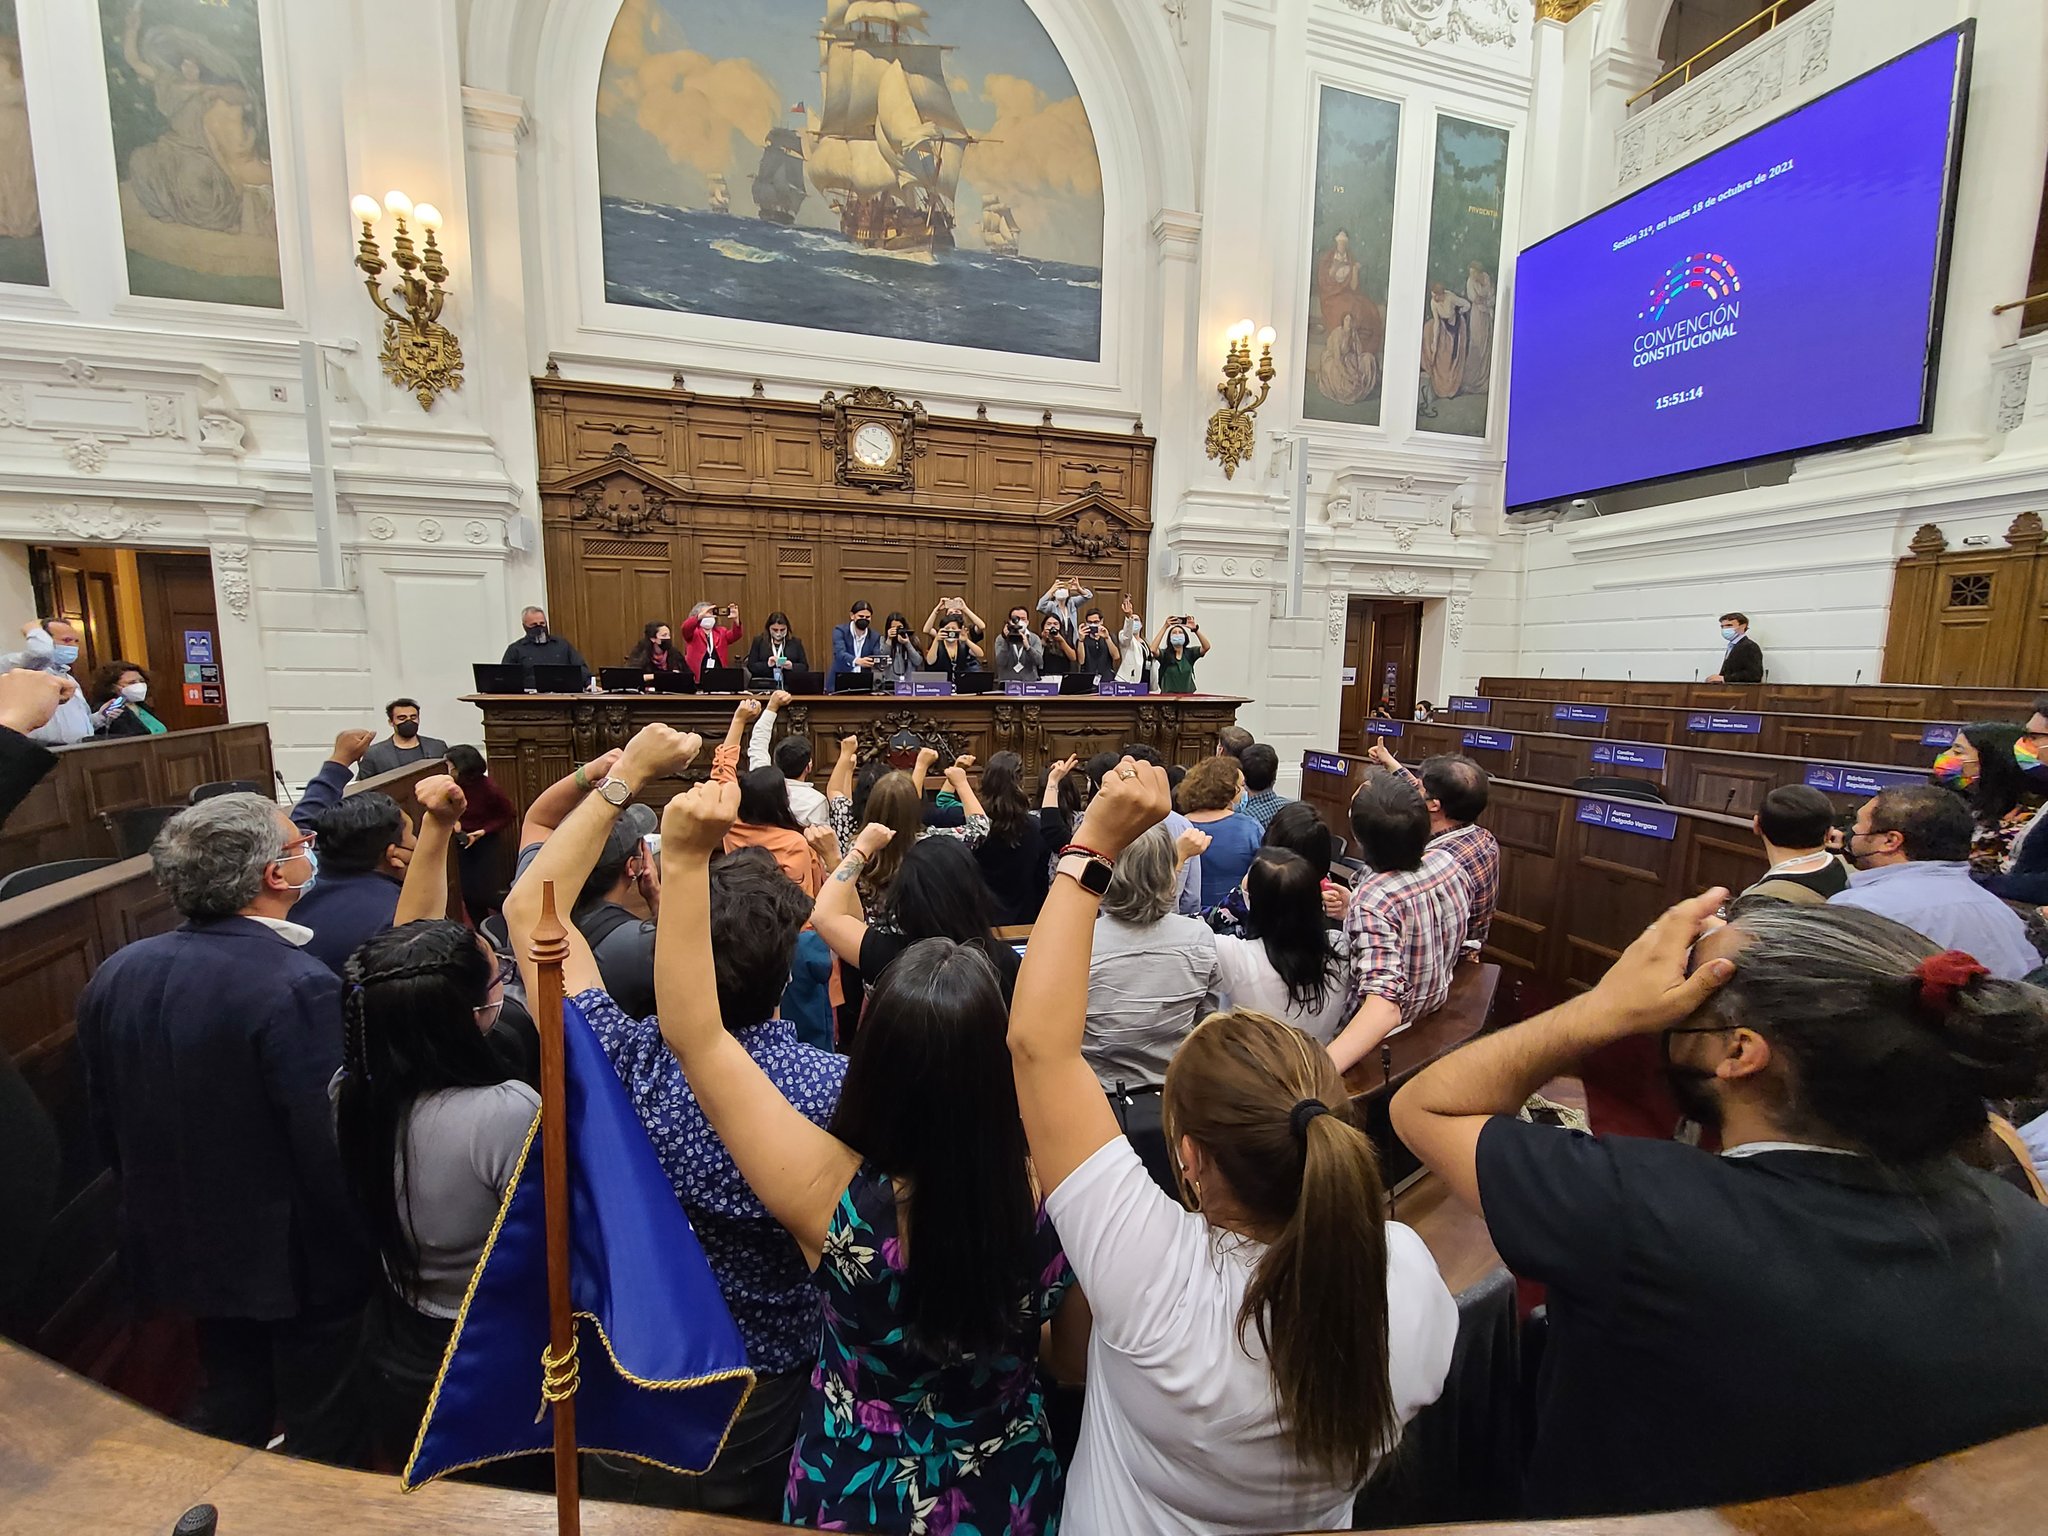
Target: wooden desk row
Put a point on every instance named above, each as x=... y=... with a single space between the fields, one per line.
x=534 y=739
x=1900 y=701
x=1821 y=738
x=1733 y=783
x=60 y=819
x=51 y=943
x=76 y=1457
x=1575 y=888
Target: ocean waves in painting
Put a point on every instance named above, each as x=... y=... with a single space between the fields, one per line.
x=741 y=268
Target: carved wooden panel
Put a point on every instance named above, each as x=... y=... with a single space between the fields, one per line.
x=1970 y=617
x=653 y=500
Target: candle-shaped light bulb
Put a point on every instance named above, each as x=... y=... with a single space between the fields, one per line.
x=1267 y=335
x=398 y=204
x=428 y=215
x=1245 y=329
x=365 y=208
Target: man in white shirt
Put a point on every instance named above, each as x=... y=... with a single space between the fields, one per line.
x=793 y=756
x=53 y=647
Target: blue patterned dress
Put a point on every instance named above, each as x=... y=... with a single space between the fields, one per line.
x=891 y=1441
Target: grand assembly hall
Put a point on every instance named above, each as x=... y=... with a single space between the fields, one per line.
x=1013 y=767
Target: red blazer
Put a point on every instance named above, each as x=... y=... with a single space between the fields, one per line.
x=694 y=646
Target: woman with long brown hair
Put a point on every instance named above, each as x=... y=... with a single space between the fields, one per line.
x=1255 y=1357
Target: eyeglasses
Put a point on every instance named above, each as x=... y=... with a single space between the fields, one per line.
x=299 y=844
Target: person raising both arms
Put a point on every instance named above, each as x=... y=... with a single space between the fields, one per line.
x=955 y=610
x=1255 y=1355
x=953 y=649
x=704 y=637
x=1180 y=645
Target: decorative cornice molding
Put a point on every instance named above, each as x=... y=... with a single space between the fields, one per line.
x=1491 y=23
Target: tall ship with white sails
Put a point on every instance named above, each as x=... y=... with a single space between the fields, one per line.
x=886 y=148
x=999 y=230
x=721 y=194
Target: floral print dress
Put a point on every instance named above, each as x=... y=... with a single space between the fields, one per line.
x=891 y=1440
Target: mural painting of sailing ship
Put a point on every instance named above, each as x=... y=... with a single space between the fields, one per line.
x=904 y=113
x=999 y=230
x=779 y=181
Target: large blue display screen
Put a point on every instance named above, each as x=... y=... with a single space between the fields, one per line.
x=1778 y=295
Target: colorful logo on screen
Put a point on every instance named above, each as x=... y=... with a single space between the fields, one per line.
x=1705 y=273
x=1708 y=272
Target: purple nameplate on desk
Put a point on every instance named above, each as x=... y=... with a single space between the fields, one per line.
x=1623 y=755
x=1382 y=727
x=1470 y=706
x=1490 y=741
x=1641 y=820
x=1841 y=779
x=1726 y=725
x=1584 y=714
x=1939 y=736
x=917 y=688
x=1033 y=688
x=1324 y=762
x=1111 y=688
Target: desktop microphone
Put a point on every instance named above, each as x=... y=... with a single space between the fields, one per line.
x=1695 y=674
x=1859 y=677
x=1729 y=804
x=275 y=774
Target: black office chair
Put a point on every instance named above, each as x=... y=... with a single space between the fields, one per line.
x=1620 y=789
x=34 y=878
x=134 y=829
x=224 y=787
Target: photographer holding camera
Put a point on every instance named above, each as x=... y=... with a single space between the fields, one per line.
x=954 y=610
x=1098 y=648
x=1180 y=645
x=953 y=652
x=1020 y=655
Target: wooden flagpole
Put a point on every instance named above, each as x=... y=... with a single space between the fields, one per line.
x=550 y=948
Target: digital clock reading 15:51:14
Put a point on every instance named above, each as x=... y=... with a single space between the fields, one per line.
x=1683 y=397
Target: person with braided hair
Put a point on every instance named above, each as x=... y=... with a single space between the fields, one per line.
x=1253 y=1357
x=431 y=1123
x=1832 y=1296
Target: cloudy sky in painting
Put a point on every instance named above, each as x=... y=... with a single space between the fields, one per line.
x=691 y=87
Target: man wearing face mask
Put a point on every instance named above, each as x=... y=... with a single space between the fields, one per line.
x=52 y=646
x=539 y=648
x=856 y=645
x=366 y=844
x=1911 y=851
x=208 y=1052
x=404 y=745
x=1744 y=660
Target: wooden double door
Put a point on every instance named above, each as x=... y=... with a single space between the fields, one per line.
x=1382 y=646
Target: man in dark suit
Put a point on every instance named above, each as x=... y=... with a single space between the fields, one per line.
x=208 y=1053
x=1744 y=662
x=404 y=745
x=856 y=646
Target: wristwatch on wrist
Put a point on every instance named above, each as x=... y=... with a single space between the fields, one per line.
x=615 y=793
x=1090 y=871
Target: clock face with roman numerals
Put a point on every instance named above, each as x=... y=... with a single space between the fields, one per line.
x=874 y=445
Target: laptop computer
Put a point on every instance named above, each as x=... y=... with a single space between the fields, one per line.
x=622 y=680
x=494 y=677
x=974 y=682
x=860 y=681
x=674 y=682
x=803 y=685
x=723 y=680
x=1077 y=682
x=558 y=680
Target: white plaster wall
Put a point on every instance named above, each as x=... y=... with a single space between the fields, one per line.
x=17 y=591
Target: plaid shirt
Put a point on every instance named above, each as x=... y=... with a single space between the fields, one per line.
x=1406 y=930
x=1478 y=855
x=1261 y=805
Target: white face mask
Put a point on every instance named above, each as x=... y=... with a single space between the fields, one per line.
x=1059 y=594
x=135 y=693
x=710 y=621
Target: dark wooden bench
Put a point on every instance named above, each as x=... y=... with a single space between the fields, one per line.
x=1466 y=1014
x=1901 y=701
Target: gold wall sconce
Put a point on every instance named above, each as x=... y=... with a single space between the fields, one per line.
x=420 y=354
x=1231 y=438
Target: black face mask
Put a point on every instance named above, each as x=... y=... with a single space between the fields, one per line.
x=536 y=632
x=405 y=730
x=861 y=624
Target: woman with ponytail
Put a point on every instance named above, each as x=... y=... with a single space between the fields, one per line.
x=1254 y=1357
x=1832 y=1296
x=431 y=1125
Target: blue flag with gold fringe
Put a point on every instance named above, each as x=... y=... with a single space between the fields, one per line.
x=661 y=1370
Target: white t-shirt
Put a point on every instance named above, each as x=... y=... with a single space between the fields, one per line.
x=1180 y=1431
x=1247 y=980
